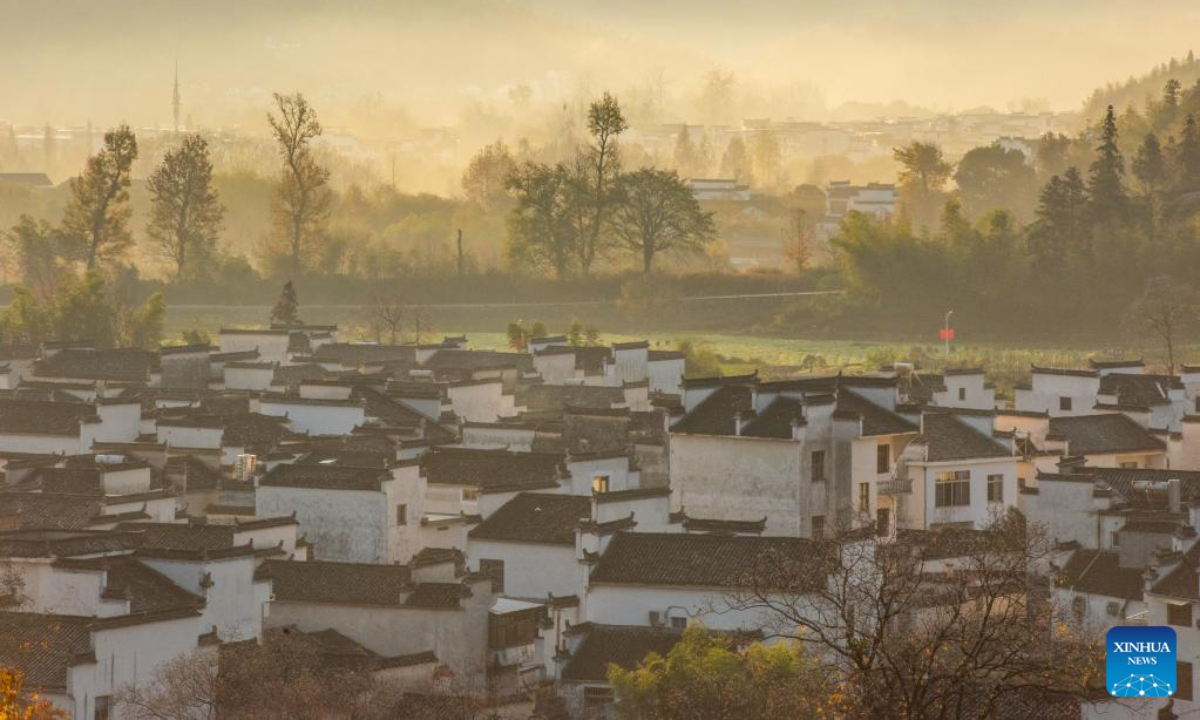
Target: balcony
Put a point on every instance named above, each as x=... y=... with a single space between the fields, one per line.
x=894 y=487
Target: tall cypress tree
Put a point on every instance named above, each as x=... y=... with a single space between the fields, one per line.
x=1187 y=159
x=1105 y=178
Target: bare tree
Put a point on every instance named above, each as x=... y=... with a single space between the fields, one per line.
x=302 y=202
x=935 y=625
x=1165 y=309
x=388 y=312
x=600 y=166
x=184 y=688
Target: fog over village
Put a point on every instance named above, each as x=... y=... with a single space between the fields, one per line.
x=599 y=361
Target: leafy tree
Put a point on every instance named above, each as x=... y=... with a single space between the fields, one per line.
x=1053 y=155
x=19 y=703
x=186 y=213
x=541 y=231
x=735 y=163
x=1106 y=176
x=85 y=312
x=707 y=677
x=601 y=170
x=26 y=320
x=97 y=216
x=698 y=361
x=1165 y=311
x=287 y=307
x=658 y=213
x=302 y=200
x=40 y=250
x=142 y=327
x=992 y=177
x=485 y=181
x=923 y=174
x=767 y=158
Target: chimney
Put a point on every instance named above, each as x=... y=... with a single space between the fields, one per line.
x=1173 y=487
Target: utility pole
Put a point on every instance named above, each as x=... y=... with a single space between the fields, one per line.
x=175 y=101
x=460 y=253
x=947 y=333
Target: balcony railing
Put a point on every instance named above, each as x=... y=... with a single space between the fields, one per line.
x=895 y=487
x=1140 y=618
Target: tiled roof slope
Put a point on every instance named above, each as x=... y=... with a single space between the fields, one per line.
x=1099 y=572
x=491 y=469
x=621 y=645
x=948 y=438
x=330 y=582
x=535 y=518
x=1108 y=433
x=695 y=560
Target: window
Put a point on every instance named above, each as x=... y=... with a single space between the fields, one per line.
x=493 y=569
x=1198 y=403
x=952 y=489
x=103 y=707
x=818 y=466
x=1064 y=404
x=883 y=459
x=1130 y=465
x=1079 y=607
x=864 y=497
x=402 y=514
x=600 y=484
x=818 y=526
x=962 y=394
x=995 y=488
x=594 y=697
x=1115 y=535
x=679 y=622
x=1179 y=614
x=1183 y=680
x=470 y=494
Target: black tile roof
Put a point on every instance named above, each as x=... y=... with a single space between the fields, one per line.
x=65 y=543
x=716 y=414
x=330 y=582
x=43 y=646
x=558 y=397
x=182 y=536
x=147 y=590
x=535 y=518
x=353 y=354
x=776 y=420
x=479 y=360
x=329 y=477
x=21 y=510
x=1139 y=390
x=1099 y=572
x=122 y=364
x=1108 y=433
x=621 y=645
x=437 y=596
x=948 y=438
x=492 y=469
x=394 y=412
x=876 y=420
x=695 y=560
x=1184 y=580
x=45 y=418
x=1146 y=487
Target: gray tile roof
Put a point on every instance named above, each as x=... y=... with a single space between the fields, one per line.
x=43 y=417
x=330 y=582
x=948 y=438
x=1099 y=572
x=535 y=518
x=328 y=477
x=621 y=645
x=491 y=469
x=44 y=646
x=1102 y=434
x=696 y=560
x=121 y=364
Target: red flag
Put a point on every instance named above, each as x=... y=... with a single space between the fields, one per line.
x=946 y=334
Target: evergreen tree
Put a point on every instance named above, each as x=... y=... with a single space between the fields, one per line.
x=1150 y=166
x=1105 y=178
x=735 y=163
x=287 y=309
x=685 y=154
x=1187 y=158
x=1060 y=231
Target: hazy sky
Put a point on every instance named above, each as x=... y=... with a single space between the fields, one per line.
x=68 y=61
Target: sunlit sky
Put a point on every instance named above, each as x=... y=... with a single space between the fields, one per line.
x=70 y=61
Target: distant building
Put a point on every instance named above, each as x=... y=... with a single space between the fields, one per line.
x=878 y=199
x=719 y=190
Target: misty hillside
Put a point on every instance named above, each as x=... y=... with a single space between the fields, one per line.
x=1135 y=91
